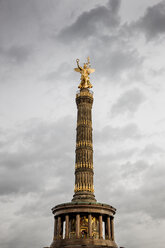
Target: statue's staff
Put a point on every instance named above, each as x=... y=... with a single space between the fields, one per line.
x=77 y=60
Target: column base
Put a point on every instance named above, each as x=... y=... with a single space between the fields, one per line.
x=84 y=197
x=78 y=243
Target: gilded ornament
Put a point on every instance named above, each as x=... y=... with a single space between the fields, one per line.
x=85 y=71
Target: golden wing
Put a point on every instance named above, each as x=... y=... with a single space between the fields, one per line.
x=90 y=70
x=77 y=69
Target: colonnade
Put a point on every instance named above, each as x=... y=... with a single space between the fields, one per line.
x=59 y=233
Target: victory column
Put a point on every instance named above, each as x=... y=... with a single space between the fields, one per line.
x=80 y=222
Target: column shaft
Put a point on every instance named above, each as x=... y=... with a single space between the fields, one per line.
x=55 y=228
x=59 y=228
x=100 y=227
x=77 y=226
x=66 y=226
x=90 y=225
x=108 y=227
x=112 y=228
x=84 y=190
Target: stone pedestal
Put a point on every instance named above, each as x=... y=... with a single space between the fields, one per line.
x=84 y=225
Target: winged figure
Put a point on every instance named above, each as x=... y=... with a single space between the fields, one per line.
x=85 y=72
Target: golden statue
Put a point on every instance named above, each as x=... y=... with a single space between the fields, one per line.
x=85 y=71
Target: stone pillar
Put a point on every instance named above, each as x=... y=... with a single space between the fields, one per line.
x=84 y=101
x=100 y=226
x=108 y=227
x=55 y=228
x=112 y=228
x=77 y=226
x=59 y=228
x=90 y=225
x=67 y=226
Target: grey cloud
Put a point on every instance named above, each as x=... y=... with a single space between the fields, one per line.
x=64 y=71
x=133 y=169
x=61 y=191
x=153 y=22
x=151 y=189
x=25 y=161
x=128 y=102
x=109 y=133
x=149 y=194
x=98 y=33
x=157 y=72
x=133 y=187
x=19 y=54
x=16 y=54
x=114 y=5
x=118 y=155
x=26 y=230
x=108 y=43
x=92 y=22
x=115 y=59
x=60 y=194
x=23 y=180
x=37 y=167
x=151 y=150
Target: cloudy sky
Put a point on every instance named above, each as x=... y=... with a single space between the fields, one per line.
x=40 y=41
